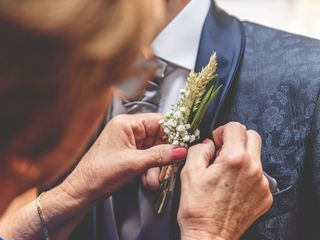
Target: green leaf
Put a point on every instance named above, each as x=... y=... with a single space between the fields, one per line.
x=203 y=107
x=199 y=113
x=196 y=104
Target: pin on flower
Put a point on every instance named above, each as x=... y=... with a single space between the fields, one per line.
x=183 y=120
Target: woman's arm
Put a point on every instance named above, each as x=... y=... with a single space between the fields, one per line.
x=61 y=212
x=124 y=150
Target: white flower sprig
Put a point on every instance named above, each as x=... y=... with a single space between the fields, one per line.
x=177 y=131
x=178 y=125
x=182 y=121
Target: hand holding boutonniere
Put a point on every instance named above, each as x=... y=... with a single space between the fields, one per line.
x=182 y=122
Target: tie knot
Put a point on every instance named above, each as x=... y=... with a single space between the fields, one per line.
x=161 y=68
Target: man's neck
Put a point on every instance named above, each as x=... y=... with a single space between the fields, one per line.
x=178 y=43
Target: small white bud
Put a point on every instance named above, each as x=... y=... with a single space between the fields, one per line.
x=180 y=128
x=166 y=130
x=176 y=143
x=182 y=109
x=192 y=138
x=188 y=126
x=186 y=138
x=161 y=121
x=197 y=133
x=171 y=123
x=178 y=114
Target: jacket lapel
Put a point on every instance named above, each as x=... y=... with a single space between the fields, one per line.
x=224 y=35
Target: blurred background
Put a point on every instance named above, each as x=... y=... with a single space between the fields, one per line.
x=296 y=16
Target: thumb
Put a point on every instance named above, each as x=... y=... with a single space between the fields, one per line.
x=161 y=155
x=200 y=155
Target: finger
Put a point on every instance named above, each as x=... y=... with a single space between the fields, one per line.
x=143 y=180
x=160 y=155
x=149 y=142
x=146 y=129
x=151 y=179
x=230 y=137
x=254 y=145
x=200 y=155
x=161 y=137
x=150 y=123
x=155 y=140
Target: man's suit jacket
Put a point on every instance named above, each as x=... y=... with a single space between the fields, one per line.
x=271 y=84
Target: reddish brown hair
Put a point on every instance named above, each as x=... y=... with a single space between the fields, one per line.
x=56 y=56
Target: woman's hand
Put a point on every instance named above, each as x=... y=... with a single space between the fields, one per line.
x=127 y=147
x=221 y=200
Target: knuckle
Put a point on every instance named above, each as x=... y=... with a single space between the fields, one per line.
x=256 y=135
x=265 y=187
x=202 y=150
x=235 y=125
x=238 y=160
x=256 y=173
x=118 y=119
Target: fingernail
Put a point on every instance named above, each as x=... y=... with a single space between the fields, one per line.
x=206 y=141
x=179 y=153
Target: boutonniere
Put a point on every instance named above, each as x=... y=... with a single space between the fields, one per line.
x=182 y=121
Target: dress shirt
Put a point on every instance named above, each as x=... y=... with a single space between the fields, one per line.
x=178 y=46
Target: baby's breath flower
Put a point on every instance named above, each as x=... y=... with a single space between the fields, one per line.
x=197 y=133
x=182 y=109
x=166 y=130
x=171 y=123
x=176 y=143
x=180 y=128
x=186 y=138
x=178 y=114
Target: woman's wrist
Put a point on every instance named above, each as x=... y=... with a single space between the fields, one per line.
x=79 y=188
x=199 y=235
x=204 y=230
